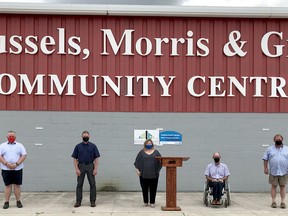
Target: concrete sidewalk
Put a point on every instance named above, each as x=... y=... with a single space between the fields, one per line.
x=130 y=203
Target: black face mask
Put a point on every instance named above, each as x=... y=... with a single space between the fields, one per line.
x=216 y=160
x=85 y=139
x=278 y=142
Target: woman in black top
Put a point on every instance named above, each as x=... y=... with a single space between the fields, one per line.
x=148 y=168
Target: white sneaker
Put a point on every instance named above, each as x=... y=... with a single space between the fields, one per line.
x=152 y=205
x=145 y=204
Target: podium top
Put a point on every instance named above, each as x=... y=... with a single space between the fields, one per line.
x=173 y=158
x=172 y=161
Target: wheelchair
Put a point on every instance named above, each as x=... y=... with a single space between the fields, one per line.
x=208 y=194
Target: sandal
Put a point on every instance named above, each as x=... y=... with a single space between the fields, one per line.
x=274 y=205
x=282 y=205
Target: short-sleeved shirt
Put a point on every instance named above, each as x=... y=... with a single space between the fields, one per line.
x=11 y=152
x=278 y=160
x=85 y=153
x=217 y=171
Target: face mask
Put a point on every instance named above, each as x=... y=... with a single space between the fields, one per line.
x=11 y=139
x=85 y=139
x=278 y=142
x=149 y=146
x=216 y=160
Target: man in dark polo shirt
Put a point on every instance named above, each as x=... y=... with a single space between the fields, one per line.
x=85 y=156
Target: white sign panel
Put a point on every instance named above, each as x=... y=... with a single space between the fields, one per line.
x=141 y=135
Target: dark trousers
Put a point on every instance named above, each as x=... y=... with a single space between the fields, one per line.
x=149 y=185
x=86 y=169
x=217 y=189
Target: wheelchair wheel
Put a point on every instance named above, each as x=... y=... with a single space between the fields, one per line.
x=227 y=188
x=228 y=198
x=205 y=194
x=226 y=203
x=205 y=198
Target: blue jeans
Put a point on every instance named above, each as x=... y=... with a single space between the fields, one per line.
x=217 y=189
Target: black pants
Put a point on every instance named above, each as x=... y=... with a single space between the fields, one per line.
x=86 y=169
x=149 y=185
x=217 y=189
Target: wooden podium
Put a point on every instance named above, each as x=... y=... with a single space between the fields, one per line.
x=171 y=164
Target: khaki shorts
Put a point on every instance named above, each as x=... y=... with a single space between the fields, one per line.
x=275 y=180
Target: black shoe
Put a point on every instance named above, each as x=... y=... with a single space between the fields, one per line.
x=93 y=204
x=19 y=204
x=77 y=205
x=6 y=205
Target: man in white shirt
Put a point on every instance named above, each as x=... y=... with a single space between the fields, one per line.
x=276 y=156
x=12 y=156
x=216 y=173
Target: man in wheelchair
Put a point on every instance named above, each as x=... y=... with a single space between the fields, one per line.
x=216 y=174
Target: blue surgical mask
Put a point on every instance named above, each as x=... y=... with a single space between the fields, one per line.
x=149 y=146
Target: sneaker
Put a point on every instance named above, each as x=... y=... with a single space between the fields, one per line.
x=77 y=205
x=274 y=205
x=282 y=205
x=152 y=205
x=19 y=204
x=93 y=204
x=145 y=204
x=6 y=205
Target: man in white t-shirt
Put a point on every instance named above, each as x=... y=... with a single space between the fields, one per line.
x=12 y=156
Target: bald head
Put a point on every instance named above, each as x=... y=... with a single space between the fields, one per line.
x=216 y=154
